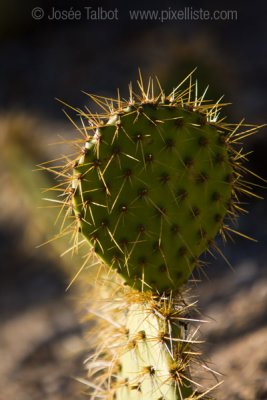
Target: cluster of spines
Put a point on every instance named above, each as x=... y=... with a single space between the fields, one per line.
x=160 y=352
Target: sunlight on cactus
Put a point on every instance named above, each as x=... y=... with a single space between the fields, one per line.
x=151 y=181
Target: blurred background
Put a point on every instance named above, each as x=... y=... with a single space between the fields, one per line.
x=44 y=57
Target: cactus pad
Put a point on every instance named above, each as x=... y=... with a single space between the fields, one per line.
x=155 y=180
x=152 y=189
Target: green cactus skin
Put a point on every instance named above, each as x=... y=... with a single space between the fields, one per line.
x=152 y=190
x=155 y=179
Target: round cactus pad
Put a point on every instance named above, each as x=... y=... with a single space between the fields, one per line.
x=151 y=191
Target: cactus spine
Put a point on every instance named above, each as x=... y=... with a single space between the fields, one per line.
x=145 y=347
x=155 y=180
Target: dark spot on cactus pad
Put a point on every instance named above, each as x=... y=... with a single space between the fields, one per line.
x=169 y=143
x=216 y=196
x=175 y=229
x=195 y=211
x=88 y=201
x=138 y=137
x=117 y=256
x=201 y=233
x=163 y=268
x=182 y=194
x=160 y=210
x=142 y=260
x=188 y=161
x=179 y=122
x=123 y=208
x=202 y=177
x=203 y=141
x=142 y=192
x=164 y=178
x=124 y=242
x=105 y=187
x=128 y=173
x=141 y=228
x=182 y=251
x=97 y=163
x=149 y=158
x=104 y=223
x=116 y=150
x=153 y=121
x=156 y=246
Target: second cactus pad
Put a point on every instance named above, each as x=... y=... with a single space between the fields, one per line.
x=152 y=188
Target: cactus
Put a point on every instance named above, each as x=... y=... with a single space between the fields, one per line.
x=145 y=150
x=155 y=180
x=144 y=346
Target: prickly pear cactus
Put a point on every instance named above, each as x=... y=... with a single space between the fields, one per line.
x=155 y=180
x=145 y=347
x=153 y=186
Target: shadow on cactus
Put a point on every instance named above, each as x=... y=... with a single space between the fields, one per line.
x=155 y=179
